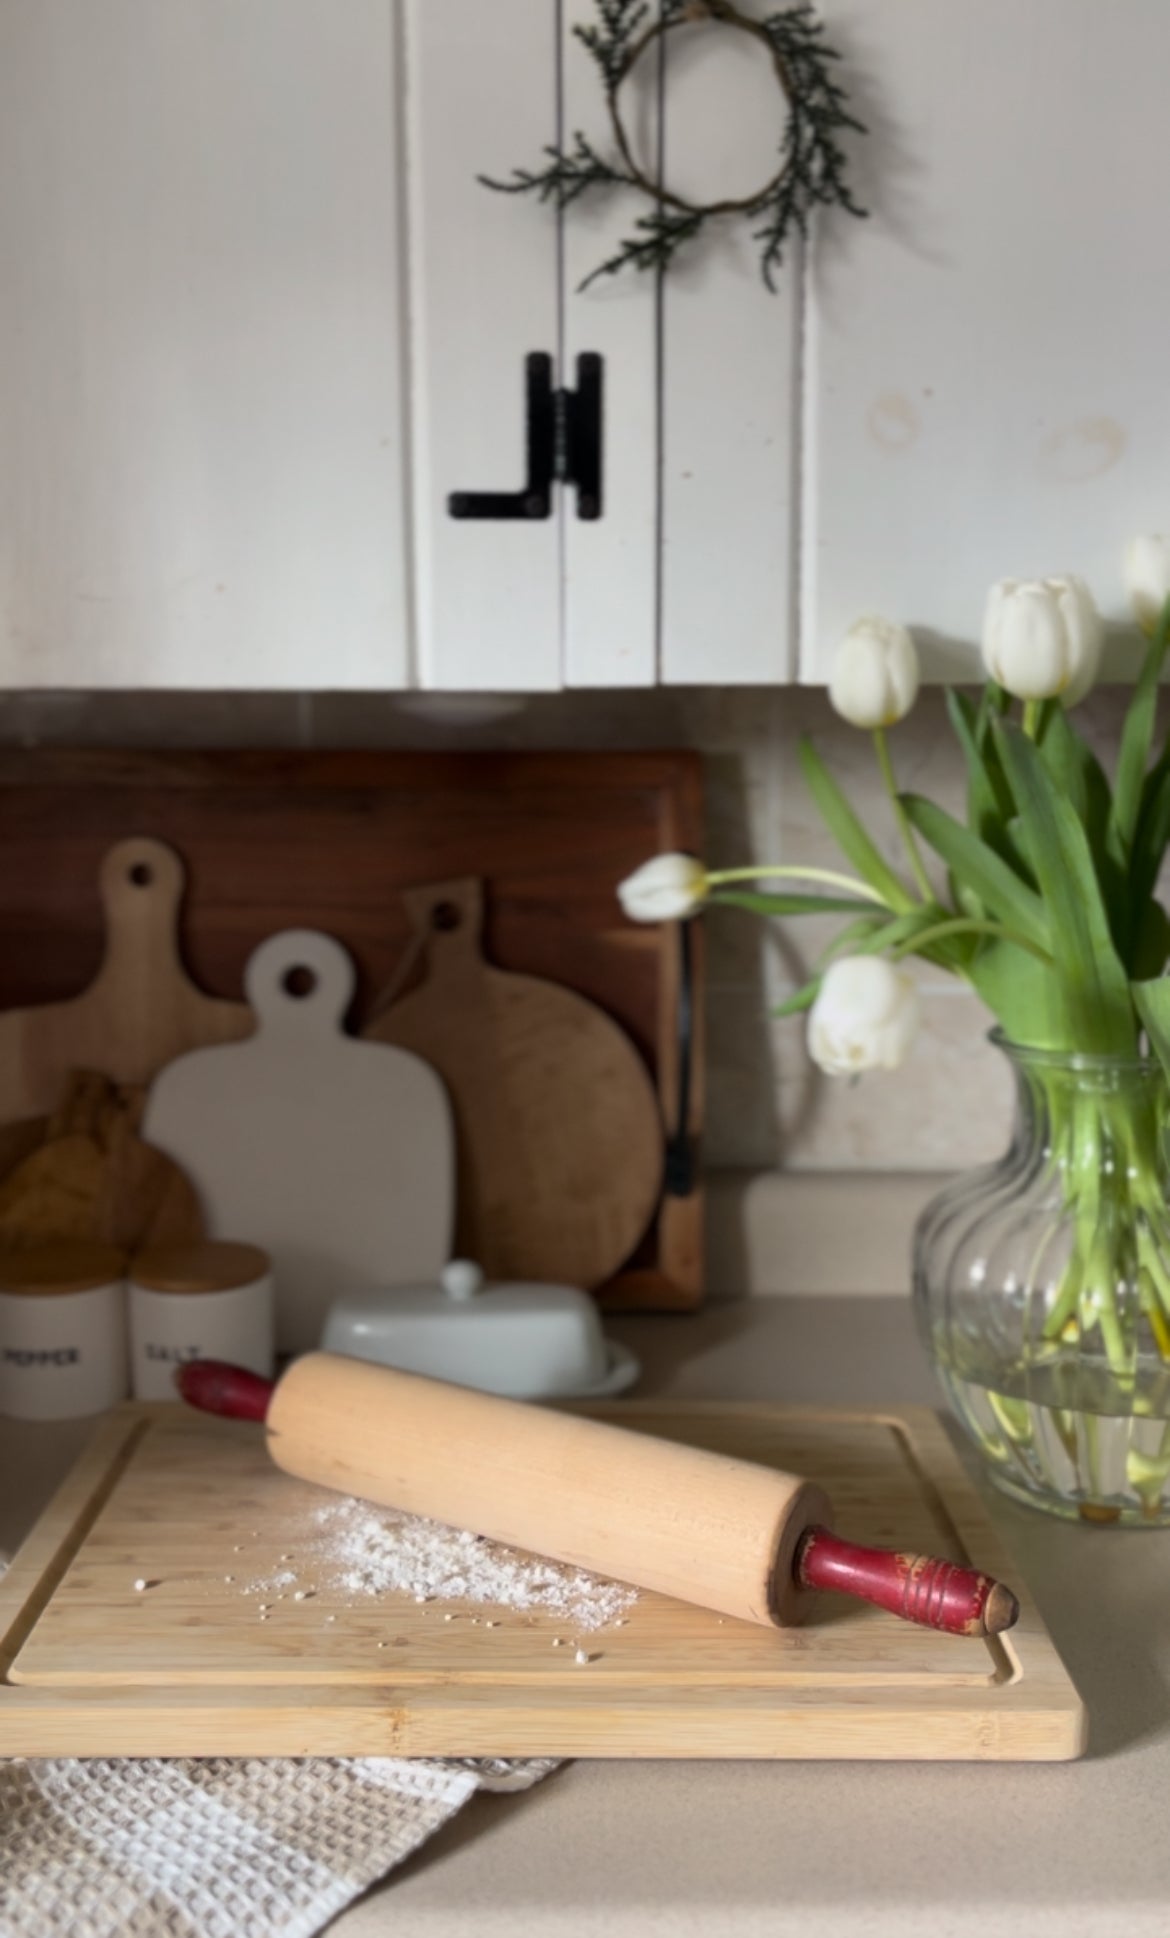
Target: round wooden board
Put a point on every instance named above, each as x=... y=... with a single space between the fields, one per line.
x=558 y=1132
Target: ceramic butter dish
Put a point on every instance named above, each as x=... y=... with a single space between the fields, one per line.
x=530 y=1342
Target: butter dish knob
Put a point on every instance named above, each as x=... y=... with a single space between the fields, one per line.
x=461 y=1279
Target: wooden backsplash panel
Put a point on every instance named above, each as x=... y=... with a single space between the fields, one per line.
x=327 y=840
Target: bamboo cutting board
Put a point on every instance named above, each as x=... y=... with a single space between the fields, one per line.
x=188 y=1665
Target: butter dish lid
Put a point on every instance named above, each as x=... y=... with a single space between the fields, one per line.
x=527 y=1341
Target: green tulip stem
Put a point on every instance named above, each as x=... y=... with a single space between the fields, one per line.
x=1155 y=1292
x=1103 y=1158
x=968 y=925
x=1151 y=627
x=882 y=749
x=828 y=877
x=1032 y=717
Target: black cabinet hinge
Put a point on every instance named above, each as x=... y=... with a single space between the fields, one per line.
x=563 y=440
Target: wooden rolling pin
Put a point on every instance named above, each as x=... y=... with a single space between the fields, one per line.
x=740 y=1538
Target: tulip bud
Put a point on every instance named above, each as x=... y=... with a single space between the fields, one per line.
x=874 y=680
x=864 y=1018
x=666 y=889
x=1147 y=577
x=1042 y=638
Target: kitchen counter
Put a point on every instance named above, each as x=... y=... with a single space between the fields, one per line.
x=633 y=1850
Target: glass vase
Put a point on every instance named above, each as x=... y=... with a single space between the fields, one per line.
x=1042 y=1291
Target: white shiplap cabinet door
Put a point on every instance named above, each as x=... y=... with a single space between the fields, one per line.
x=201 y=394
x=987 y=365
x=611 y=563
x=481 y=99
x=730 y=377
x=689 y=576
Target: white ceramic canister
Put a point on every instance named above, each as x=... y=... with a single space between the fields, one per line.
x=209 y=1301
x=62 y=1331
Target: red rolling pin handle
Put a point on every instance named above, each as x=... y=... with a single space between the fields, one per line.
x=919 y=1588
x=214 y=1386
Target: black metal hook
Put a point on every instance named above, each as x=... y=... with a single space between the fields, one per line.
x=563 y=441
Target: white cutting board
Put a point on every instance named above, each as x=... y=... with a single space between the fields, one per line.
x=337 y=1156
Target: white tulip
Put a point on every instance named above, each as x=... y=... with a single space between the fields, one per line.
x=666 y=889
x=864 y=1018
x=874 y=679
x=1042 y=638
x=1147 y=576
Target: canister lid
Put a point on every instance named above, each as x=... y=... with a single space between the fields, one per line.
x=45 y=1269
x=215 y=1266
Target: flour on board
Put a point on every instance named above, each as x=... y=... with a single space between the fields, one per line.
x=357 y=1550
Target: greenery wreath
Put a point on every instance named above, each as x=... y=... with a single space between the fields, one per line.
x=812 y=165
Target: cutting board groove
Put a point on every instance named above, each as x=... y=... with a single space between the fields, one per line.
x=91 y=1666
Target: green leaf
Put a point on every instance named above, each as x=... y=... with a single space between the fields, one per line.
x=951 y=952
x=1154 y=778
x=1015 y=853
x=1151 y=948
x=847 y=940
x=966 y=901
x=1152 y=1002
x=1076 y=771
x=1022 y=993
x=1153 y=833
x=994 y=702
x=980 y=869
x=989 y=801
x=1090 y=972
x=848 y=832
x=1080 y=777
x=900 y=933
x=1136 y=737
x=761 y=904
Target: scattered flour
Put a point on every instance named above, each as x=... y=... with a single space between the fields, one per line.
x=358 y=1550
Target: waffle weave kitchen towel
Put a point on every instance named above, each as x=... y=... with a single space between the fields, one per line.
x=217 y=1847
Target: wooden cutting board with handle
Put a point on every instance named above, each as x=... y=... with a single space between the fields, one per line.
x=334 y=1155
x=558 y=1130
x=141 y=1009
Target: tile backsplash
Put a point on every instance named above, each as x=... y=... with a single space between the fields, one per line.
x=768 y=1106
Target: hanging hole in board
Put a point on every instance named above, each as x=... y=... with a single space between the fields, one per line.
x=446 y=916
x=299 y=981
x=142 y=874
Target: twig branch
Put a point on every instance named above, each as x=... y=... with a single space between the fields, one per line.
x=567 y=175
x=812 y=160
